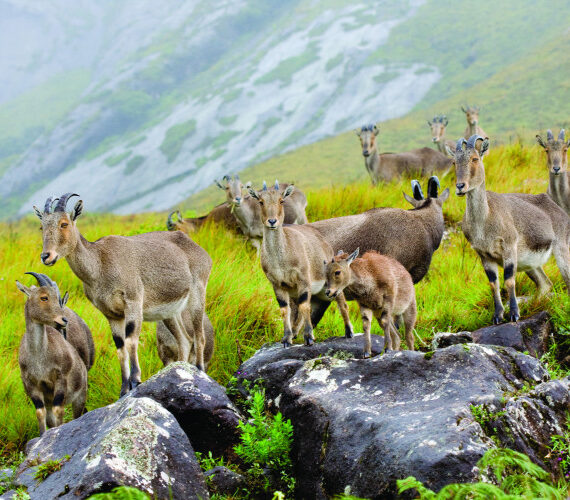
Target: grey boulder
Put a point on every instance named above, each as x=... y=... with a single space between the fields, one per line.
x=134 y=442
x=360 y=425
x=199 y=404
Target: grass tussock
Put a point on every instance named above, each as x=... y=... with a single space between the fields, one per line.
x=454 y=296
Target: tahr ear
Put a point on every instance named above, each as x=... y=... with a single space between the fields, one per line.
x=376 y=130
x=463 y=109
x=443 y=196
x=77 y=209
x=484 y=147
x=252 y=193
x=538 y=139
x=353 y=256
x=38 y=213
x=248 y=185
x=358 y=131
x=429 y=123
x=217 y=182
x=288 y=191
x=410 y=200
x=23 y=288
x=65 y=299
x=449 y=151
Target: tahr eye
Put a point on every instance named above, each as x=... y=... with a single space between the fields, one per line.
x=337 y=273
x=260 y=202
x=281 y=201
x=64 y=224
x=44 y=298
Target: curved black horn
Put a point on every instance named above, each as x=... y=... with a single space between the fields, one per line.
x=433 y=186
x=43 y=280
x=549 y=136
x=61 y=204
x=226 y=178
x=459 y=145
x=417 y=190
x=48 y=204
x=561 y=135
x=169 y=221
x=473 y=140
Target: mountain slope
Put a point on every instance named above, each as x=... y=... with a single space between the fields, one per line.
x=525 y=98
x=186 y=91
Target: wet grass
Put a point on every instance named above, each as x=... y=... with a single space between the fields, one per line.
x=454 y=296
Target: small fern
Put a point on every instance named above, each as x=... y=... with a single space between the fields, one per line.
x=516 y=477
x=122 y=493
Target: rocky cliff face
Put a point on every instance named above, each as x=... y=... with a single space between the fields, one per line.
x=182 y=92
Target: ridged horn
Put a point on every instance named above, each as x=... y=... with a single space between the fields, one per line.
x=44 y=280
x=48 y=204
x=549 y=136
x=170 y=222
x=459 y=145
x=417 y=190
x=276 y=187
x=561 y=134
x=62 y=203
x=264 y=188
x=473 y=140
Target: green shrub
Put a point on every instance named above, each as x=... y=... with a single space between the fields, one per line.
x=122 y=493
x=47 y=468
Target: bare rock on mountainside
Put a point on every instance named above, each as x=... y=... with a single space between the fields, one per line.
x=133 y=442
x=362 y=424
x=199 y=404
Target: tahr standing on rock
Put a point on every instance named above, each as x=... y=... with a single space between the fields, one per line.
x=291 y=258
x=516 y=231
x=131 y=279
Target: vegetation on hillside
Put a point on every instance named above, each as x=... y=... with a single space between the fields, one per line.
x=240 y=301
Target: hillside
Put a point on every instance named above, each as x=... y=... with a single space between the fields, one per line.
x=516 y=103
x=240 y=301
x=158 y=116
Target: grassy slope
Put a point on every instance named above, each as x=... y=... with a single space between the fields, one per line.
x=522 y=98
x=240 y=301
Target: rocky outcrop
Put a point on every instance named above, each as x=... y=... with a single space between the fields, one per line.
x=362 y=424
x=199 y=404
x=134 y=442
x=530 y=335
x=273 y=363
x=225 y=481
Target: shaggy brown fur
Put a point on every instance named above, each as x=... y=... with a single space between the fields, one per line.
x=387 y=166
x=383 y=289
x=168 y=347
x=52 y=371
x=292 y=259
x=145 y=277
x=220 y=214
x=472 y=117
x=557 y=159
x=515 y=231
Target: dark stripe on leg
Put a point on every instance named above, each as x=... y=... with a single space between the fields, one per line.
x=119 y=342
x=303 y=297
x=130 y=328
x=38 y=403
x=509 y=271
x=281 y=302
x=491 y=275
x=58 y=399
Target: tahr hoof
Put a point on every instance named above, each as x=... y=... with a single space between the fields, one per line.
x=515 y=316
x=309 y=341
x=348 y=334
x=286 y=343
x=365 y=355
x=200 y=367
x=133 y=384
x=497 y=320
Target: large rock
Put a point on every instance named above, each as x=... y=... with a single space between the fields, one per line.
x=199 y=404
x=134 y=442
x=274 y=363
x=529 y=335
x=362 y=424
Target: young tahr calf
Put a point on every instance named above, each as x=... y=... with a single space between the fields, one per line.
x=382 y=287
x=53 y=373
x=292 y=259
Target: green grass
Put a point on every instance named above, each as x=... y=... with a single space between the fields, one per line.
x=240 y=301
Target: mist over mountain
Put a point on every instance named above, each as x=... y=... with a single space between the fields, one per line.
x=138 y=104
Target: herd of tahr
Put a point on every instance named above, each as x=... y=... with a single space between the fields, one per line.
x=373 y=258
